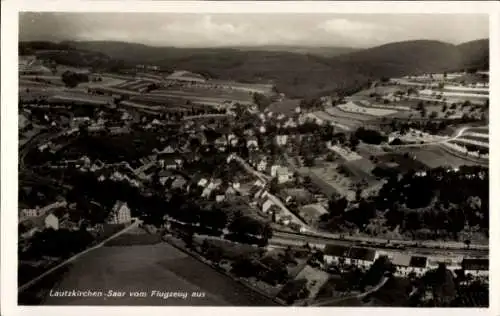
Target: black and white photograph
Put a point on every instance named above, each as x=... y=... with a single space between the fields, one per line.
x=253 y=159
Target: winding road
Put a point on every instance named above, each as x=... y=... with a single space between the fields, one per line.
x=455 y=135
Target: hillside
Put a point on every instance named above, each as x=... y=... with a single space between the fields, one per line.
x=296 y=74
x=475 y=54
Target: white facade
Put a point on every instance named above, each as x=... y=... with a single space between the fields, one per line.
x=51 y=221
x=120 y=214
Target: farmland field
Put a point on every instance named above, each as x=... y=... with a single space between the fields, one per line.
x=380 y=90
x=338 y=113
x=476 y=138
x=435 y=156
x=481 y=129
x=404 y=164
x=285 y=107
x=353 y=107
x=151 y=267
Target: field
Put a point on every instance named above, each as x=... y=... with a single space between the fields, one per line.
x=381 y=90
x=471 y=138
x=353 y=107
x=435 y=156
x=146 y=268
x=286 y=107
x=404 y=164
x=342 y=123
x=330 y=181
x=338 y=113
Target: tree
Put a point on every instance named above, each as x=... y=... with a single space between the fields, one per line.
x=261 y=100
x=72 y=79
x=467 y=243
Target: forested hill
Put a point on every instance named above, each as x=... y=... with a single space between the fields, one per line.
x=297 y=74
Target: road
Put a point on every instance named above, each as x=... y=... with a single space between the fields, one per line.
x=456 y=135
x=440 y=246
x=313 y=233
x=263 y=177
x=78 y=255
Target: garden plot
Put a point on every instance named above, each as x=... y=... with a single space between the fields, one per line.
x=352 y=107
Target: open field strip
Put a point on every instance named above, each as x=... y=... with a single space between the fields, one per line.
x=354 y=108
x=471 y=142
x=479 y=90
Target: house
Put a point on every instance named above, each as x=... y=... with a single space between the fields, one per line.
x=418 y=265
x=361 y=257
x=252 y=143
x=178 y=183
x=262 y=165
x=282 y=173
x=120 y=214
x=267 y=206
x=169 y=163
x=402 y=263
x=206 y=192
x=202 y=182
x=334 y=254
x=164 y=176
x=281 y=140
x=33 y=212
x=51 y=221
x=221 y=143
x=476 y=267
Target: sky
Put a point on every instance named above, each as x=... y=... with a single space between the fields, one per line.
x=219 y=30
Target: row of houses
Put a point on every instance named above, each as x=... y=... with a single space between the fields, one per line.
x=36 y=222
x=405 y=264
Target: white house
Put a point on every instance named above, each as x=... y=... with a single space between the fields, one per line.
x=282 y=173
x=281 y=140
x=476 y=267
x=51 y=221
x=267 y=206
x=120 y=214
x=30 y=212
x=252 y=143
x=203 y=182
x=262 y=165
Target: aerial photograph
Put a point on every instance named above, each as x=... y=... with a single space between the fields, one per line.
x=250 y=159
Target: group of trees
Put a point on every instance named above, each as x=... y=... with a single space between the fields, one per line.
x=152 y=209
x=370 y=136
x=72 y=79
x=441 y=204
x=57 y=243
x=267 y=269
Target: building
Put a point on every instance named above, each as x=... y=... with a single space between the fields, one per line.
x=361 y=257
x=120 y=214
x=51 y=221
x=476 y=267
x=262 y=165
x=281 y=140
x=282 y=173
x=30 y=212
x=334 y=254
x=267 y=206
x=418 y=265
